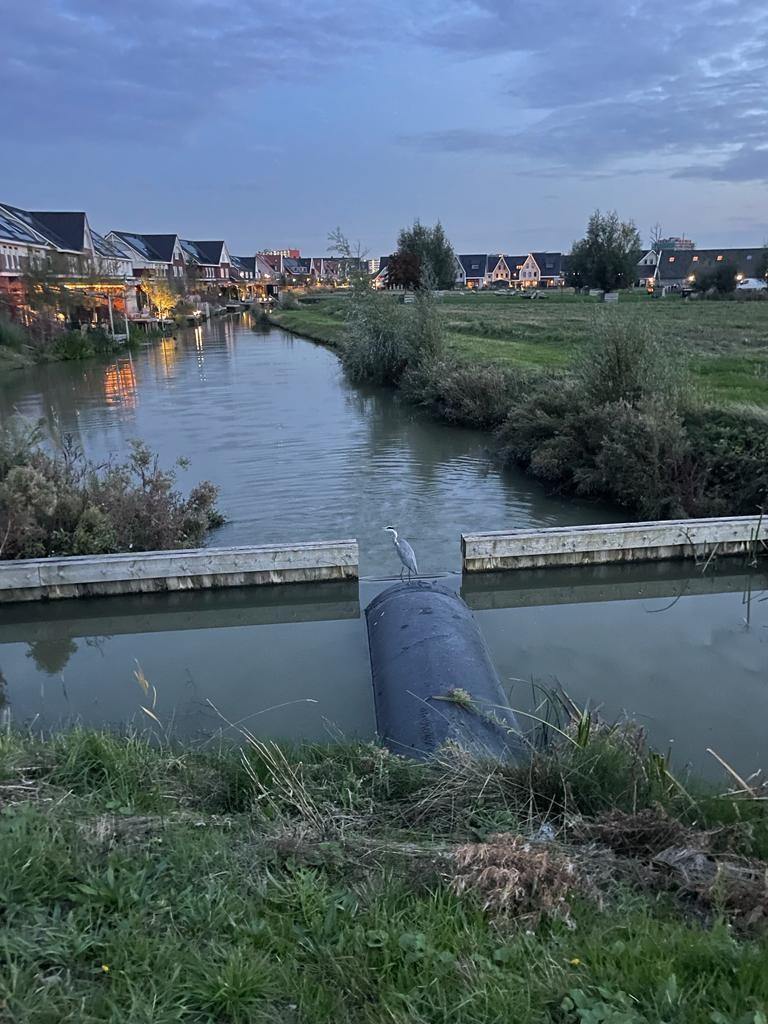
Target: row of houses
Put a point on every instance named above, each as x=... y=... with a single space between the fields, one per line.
x=674 y=269
x=487 y=270
x=65 y=245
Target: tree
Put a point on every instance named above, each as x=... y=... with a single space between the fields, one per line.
x=403 y=270
x=352 y=255
x=721 y=279
x=762 y=266
x=607 y=256
x=423 y=250
x=160 y=294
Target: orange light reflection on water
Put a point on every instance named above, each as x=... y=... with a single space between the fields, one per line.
x=120 y=384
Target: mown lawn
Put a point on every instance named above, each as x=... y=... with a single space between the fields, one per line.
x=727 y=341
x=152 y=885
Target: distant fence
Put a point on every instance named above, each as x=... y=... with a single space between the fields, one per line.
x=698 y=539
x=192 y=569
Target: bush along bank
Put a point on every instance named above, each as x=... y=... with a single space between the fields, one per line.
x=54 y=501
x=49 y=341
x=346 y=884
x=626 y=424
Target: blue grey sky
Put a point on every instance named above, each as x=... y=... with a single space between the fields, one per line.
x=268 y=123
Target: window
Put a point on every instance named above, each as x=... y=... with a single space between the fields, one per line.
x=695 y=259
x=749 y=256
x=671 y=259
x=719 y=259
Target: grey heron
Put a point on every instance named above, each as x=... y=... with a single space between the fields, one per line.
x=405 y=553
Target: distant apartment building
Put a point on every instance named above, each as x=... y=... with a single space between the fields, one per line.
x=676 y=242
x=293 y=254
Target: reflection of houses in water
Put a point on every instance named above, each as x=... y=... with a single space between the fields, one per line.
x=165 y=355
x=120 y=383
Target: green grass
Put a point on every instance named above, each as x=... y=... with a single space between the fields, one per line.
x=145 y=883
x=727 y=341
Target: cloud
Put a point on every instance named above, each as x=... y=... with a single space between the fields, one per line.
x=150 y=70
x=602 y=83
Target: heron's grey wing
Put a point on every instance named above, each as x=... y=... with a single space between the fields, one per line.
x=408 y=556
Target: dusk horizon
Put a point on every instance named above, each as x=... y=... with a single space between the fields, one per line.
x=270 y=128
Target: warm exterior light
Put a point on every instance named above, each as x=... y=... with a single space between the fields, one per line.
x=692 y=277
x=739 y=277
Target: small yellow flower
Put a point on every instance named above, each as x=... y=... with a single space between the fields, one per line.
x=105 y=968
x=575 y=962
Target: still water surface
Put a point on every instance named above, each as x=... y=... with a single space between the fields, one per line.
x=298 y=454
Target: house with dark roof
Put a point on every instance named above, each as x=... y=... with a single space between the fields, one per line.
x=153 y=255
x=295 y=270
x=472 y=273
x=551 y=268
x=680 y=268
x=110 y=259
x=209 y=262
x=20 y=243
x=42 y=234
x=497 y=270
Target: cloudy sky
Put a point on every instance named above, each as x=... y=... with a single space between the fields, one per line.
x=268 y=123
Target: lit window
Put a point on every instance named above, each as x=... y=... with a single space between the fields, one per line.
x=719 y=259
x=695 y=259
x=749 y=256
x=671 y=259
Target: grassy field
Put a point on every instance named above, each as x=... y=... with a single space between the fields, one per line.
x=151 y=885
x=727 y=341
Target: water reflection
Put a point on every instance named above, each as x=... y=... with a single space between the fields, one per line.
x=120 y=383
x=51 y=656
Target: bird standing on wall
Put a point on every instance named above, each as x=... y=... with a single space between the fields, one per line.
x=405 y=553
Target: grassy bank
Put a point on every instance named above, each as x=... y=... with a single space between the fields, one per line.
x=154 y=884
x=727 y=341
x=612 y=404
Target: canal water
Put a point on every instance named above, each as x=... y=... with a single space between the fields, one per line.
x=299 y=454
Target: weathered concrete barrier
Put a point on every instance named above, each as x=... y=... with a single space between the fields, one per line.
x=191 y=569
x=617 y=542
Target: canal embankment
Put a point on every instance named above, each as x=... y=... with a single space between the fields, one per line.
x=628 y=417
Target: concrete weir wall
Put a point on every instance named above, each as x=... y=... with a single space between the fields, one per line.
x=192 y=569
x=616 y=542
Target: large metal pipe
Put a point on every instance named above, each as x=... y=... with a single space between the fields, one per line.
x=433 y=678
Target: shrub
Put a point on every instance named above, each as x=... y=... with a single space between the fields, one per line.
x=474 y=396
x=731 y=445
x=378 y=343
x=626 y=361
x=642 y=458
x=11 y=335
x=59 y=503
